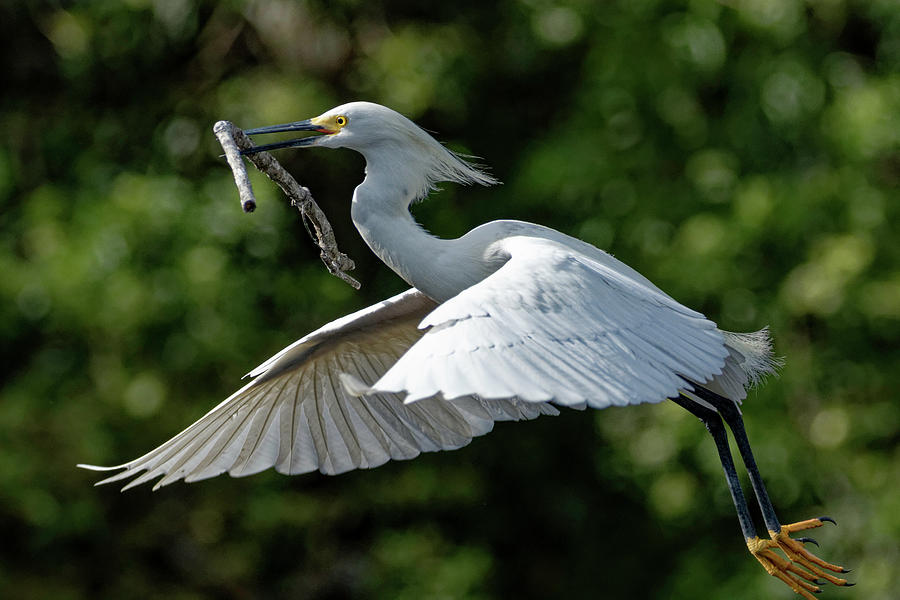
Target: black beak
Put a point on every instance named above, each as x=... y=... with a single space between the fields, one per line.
x=295 y=126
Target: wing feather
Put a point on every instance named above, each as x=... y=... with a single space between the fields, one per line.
x=553 y=324
x=296 y=416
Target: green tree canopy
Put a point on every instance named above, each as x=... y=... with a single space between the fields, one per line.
x=743 y=155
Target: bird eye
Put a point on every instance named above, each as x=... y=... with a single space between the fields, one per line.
x=340 y=120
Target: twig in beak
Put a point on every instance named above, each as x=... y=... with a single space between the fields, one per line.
x=233 y=140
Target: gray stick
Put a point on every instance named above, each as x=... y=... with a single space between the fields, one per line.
x=224 y=131
x=233 y=140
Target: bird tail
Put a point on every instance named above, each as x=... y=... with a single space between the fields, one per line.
x=750 y=360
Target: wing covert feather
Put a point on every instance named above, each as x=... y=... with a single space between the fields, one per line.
x=552 y=324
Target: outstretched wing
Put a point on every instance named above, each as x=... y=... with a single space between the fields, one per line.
x=553 y=324
x=296 y=416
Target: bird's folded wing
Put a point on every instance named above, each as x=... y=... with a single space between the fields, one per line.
x=296 y=416
x=555 y=325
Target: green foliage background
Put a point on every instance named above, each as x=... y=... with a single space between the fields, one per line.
x=742 y=154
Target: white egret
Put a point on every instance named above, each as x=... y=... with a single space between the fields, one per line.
x=500 y=324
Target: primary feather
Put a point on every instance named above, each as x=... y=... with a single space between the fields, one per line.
x=297 y=417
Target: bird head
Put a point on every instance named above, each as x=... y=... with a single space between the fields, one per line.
x=385 y=138
x=352 y=125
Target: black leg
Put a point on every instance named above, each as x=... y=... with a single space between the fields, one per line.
x=729 y=411
x=802 y=571
x=714 y=425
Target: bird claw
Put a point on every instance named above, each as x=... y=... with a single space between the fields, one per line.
x=807 y=540
x=803 y=571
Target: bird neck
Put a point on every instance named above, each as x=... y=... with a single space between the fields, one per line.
x=439 y=268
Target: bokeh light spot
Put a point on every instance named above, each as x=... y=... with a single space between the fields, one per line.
x=829 y=427
x=144 y=395
x=702 y=234
x=69 y=34
x=559 y=25
x=713 y=172
x=182 y=136
x=698 y=41
x=672 y=494
x=791 y=93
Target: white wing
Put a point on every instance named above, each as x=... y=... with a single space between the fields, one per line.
x=296 y=416
x=555 y=325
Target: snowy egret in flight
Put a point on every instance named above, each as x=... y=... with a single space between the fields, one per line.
x=504 y=323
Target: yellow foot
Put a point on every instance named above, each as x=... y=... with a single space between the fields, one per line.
x=803 y=571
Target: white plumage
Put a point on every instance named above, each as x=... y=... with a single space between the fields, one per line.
x=297 y=417
x=501 y=324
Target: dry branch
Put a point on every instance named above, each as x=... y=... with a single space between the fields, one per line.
x=233 y=140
